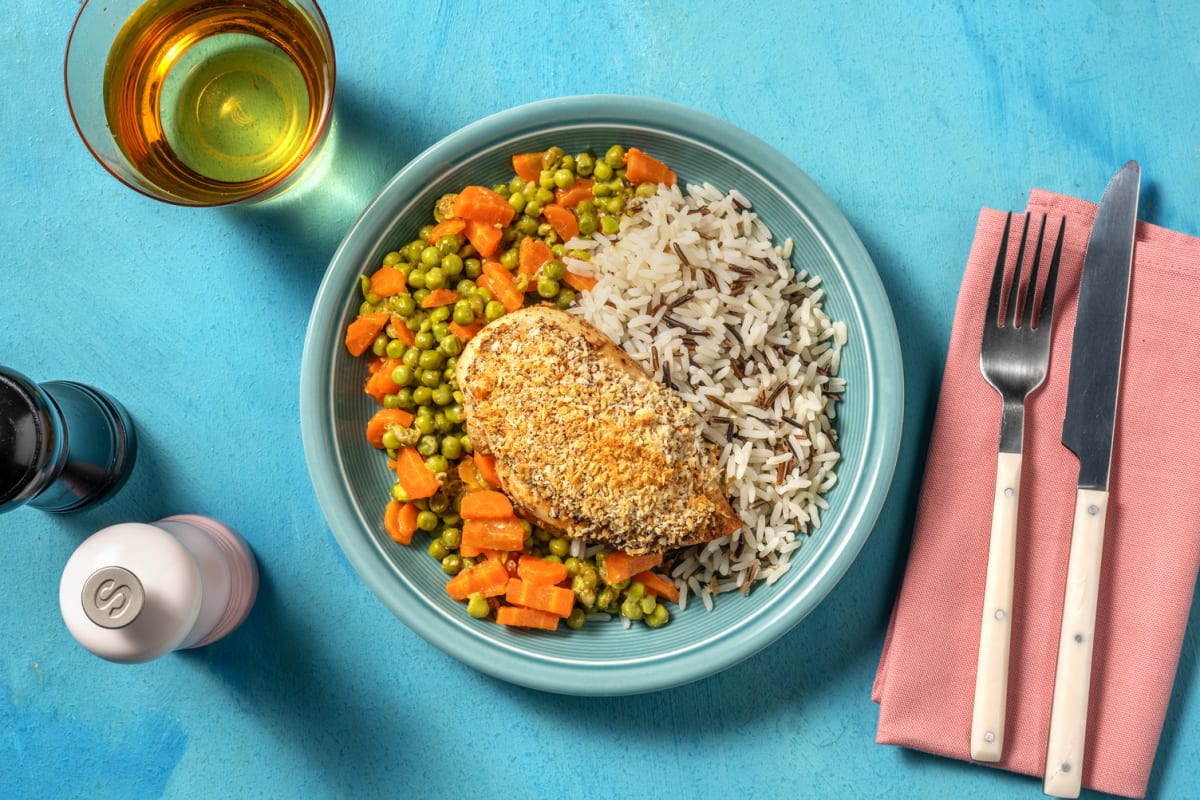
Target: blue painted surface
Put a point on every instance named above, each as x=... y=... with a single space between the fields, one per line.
x=910 y=119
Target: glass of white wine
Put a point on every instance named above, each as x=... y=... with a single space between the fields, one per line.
x=202 y=102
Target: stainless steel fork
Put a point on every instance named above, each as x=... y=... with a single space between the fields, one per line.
x=1013 y=359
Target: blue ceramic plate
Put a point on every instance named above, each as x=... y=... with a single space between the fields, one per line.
x=352 y=480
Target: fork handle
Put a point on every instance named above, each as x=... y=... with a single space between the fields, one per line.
x=1073 y=675
x=991 y=676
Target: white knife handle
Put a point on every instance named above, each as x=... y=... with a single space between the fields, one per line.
x=1073 y=675
x=991 y=676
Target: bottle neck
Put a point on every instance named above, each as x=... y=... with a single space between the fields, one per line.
x=32 y=440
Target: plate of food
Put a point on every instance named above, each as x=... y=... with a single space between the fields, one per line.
x=601 y=395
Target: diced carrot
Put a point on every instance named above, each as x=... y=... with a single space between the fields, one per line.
x=641 y=168
x=532 y=254
x=416 y=479
x=528 y=166
x=388 y=281
x=487 y=504
x=658 y=585
x=380 y=384
x=520 y=617
x=562 y=220
x=619 y=566
x=400 y=520
x=580 y=283
x=440 y=297
x=534 y=570
x=383 y=419
x=468 y=473
x=361 y=333
x=503 y=285
x=493 y=534
x=486 y=464
x=542 y=596
x=401 y=331
x=375 y=365
x=481 y=204
x=484 y=237
x=489 y=578
x=465 y=332
x=575 y=194
x=447 y=227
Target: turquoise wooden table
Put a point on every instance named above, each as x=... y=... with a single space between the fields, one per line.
x=909 y=119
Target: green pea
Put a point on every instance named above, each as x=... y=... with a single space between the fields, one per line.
x=452 y=265
x=402 y=375
x=452 y=537
x=477 y=606
x=448 y=244
x=404 y=305
x=564 y=299
x=587 y=224
x=576 y=618
x=454 y=412
x=463 y=315
x=554 y=269
x=517 y=201
x=437 y=463
x=404 y=399
x=427 y=521
x=422 y=396
x=526 y=225
x=435 y=278
x=615 y=157
x=658 y=617
x=390 y=440
x=563 y=179
x=559 y=547
x=493 y=310
x=452 y=564
x=466 y=444
x=391 y=259
x=366 y=308
x=546 y=179
x=601 y=189
x=430 y=359
x=394 y=349
x=398 y=493
x=443 y=396
x=427 y=445
x=610 y=226
x=423 y=341
x=472 y=268
x=451 y=448
x=544 y=196
x=431 y=256
x=450 y=346
x=436 y=548
x=510 y=258
x=439 y=314
x=648 y=604
x=547 y=288
x=533 y=208
x=440 y=423
x=601 y=172
x=568 y=163
x=584 y=163
x=646 y=189
x=484 y=295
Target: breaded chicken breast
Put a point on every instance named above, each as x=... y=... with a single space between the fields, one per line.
x=586 y=443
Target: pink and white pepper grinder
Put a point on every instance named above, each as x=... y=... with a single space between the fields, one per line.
x=133 y=592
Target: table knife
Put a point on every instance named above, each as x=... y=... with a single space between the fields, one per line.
x=1092 y=386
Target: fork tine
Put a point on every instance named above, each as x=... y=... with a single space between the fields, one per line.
x=1031 y=289
x=1047 y=309
x=1011 y=314
x=993 y=303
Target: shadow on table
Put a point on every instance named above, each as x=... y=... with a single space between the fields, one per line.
x=299 y=231
x=275 y=666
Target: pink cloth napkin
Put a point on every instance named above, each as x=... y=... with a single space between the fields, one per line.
x=926 y=677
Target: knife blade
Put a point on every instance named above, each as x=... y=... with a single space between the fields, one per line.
x=1088 y=426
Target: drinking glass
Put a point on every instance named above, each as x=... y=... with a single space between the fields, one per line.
x=202 y=102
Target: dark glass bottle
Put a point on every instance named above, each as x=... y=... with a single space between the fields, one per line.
x=63 y=445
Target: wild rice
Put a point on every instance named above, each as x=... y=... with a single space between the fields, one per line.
x=694 y=289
